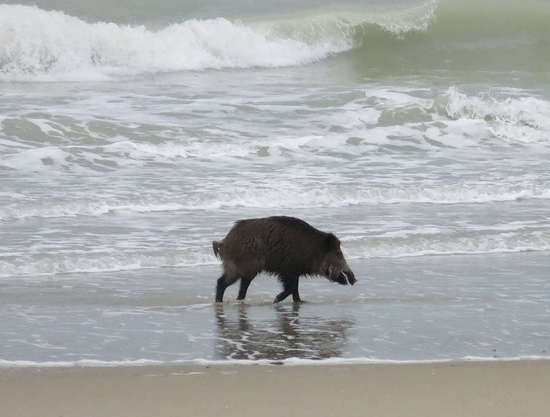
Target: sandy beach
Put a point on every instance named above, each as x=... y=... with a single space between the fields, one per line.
x=515 y=388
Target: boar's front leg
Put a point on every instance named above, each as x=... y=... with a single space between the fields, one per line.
x=295 y=294
x=290 y=286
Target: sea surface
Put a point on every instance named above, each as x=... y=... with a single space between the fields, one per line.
x=134 y=133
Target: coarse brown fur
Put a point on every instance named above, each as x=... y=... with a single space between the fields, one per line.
x=285 y=246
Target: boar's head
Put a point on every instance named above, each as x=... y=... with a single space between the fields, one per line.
x=333 y=264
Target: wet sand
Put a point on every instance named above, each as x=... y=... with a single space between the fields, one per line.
x=514 y=388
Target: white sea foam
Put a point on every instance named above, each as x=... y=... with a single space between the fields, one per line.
x=36 y=159
x=105 y=261
x=266 y=362
x=286 y=196
x=78 y=363
x=50 y=45
x=475 y=242
x=49 y=209
x=391 y=123
x=36 y=44
x=342 y=196
x=513 y=119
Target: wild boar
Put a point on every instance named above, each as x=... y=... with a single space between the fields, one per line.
x=284 y=246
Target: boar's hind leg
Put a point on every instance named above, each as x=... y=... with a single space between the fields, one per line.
x=290 y=286
x=220 y=288
x=223 y=282
x=245 y=282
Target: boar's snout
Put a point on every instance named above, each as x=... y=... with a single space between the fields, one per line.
x=350 y=276
x=345 y=277
x=337 y=269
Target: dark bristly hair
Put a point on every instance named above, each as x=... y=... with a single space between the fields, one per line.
x=285 y=246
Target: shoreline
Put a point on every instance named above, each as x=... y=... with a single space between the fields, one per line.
x=290 y=362
x=473 y=388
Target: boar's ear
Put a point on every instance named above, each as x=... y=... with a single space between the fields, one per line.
x=331 y=242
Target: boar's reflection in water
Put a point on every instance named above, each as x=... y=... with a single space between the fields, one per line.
x=288 y=335
x=280 y=245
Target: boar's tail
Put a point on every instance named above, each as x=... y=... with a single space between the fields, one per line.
x=217 y=246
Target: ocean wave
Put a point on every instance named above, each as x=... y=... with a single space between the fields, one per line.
x=384 y=120
x=39 y=44
x=36 y=44
x=92 y=208
x=49 y=45
x=468 y=120
x=286 y=196
x=460 y=242
x=47 y=264
x=513 y=119
x=463 y=37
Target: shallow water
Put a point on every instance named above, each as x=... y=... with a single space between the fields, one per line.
x=130 y=138
x=421 y=308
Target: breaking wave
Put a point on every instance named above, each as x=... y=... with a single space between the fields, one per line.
x=285 y=197
x=452 y=119
x=513 y=119
x=36 y=44
x=107 y=261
